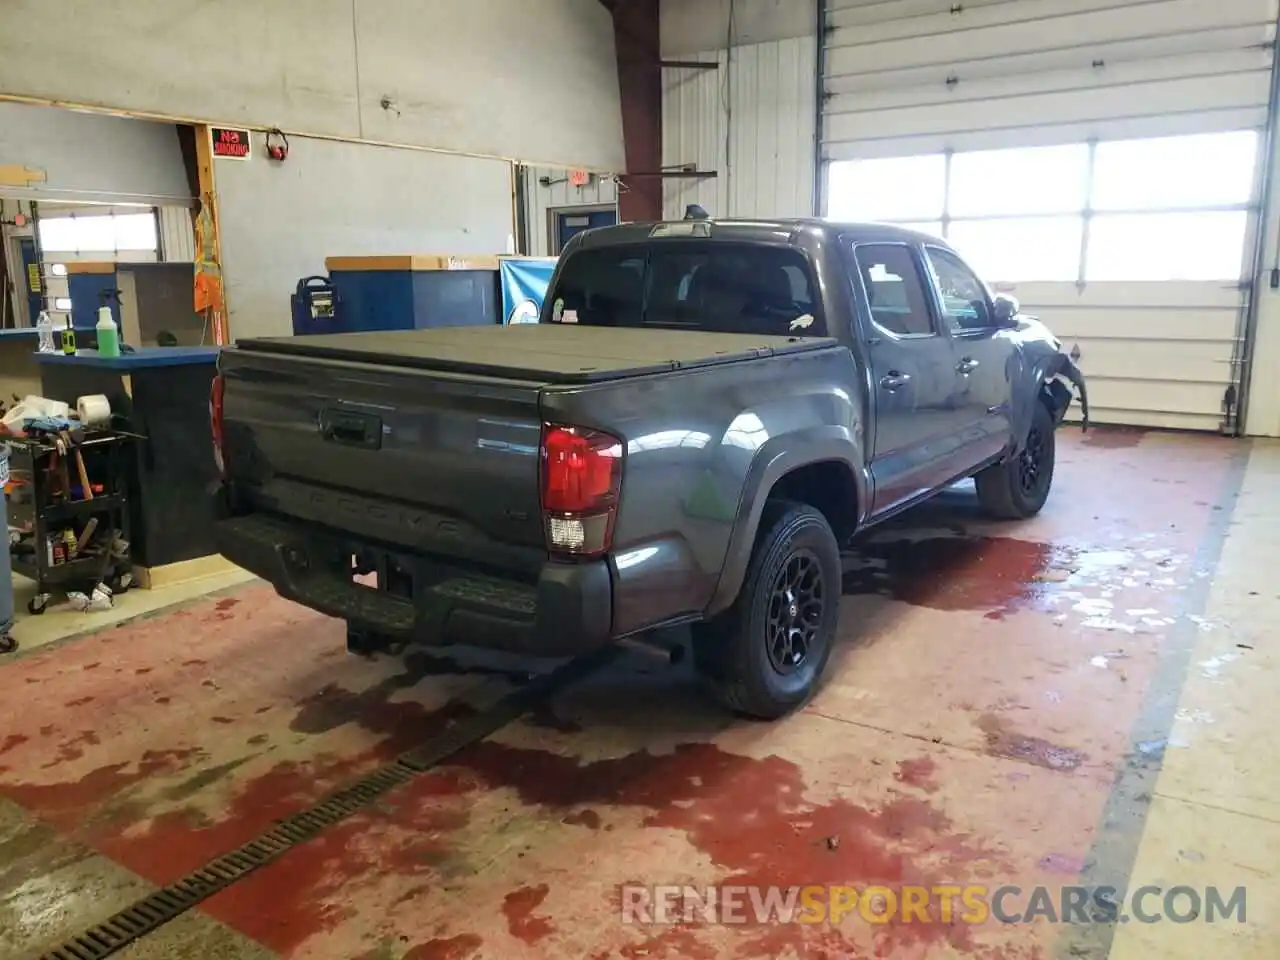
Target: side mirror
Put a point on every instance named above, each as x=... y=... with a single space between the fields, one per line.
x=1006 y=310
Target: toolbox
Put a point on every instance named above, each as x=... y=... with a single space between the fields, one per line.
x=315 y=307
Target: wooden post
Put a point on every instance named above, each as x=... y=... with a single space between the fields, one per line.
x=209 y=249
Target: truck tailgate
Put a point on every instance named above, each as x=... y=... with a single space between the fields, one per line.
x=430 y=461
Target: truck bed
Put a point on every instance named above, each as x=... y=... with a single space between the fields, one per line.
x=549 y=353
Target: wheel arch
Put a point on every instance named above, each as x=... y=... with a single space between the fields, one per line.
x=1039 y=384
x=823 y=468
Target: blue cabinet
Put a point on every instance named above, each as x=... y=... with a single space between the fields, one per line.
x=408 y=292
x=87 y=283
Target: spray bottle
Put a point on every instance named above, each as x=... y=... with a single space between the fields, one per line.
x=108 y=332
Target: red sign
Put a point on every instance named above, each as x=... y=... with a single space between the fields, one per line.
x=231 y=143
x=579 y=178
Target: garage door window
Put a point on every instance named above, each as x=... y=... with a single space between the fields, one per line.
x=1167 y=246
x=1211 y=170
x=896 y=189
x=1169 y=208
x=1039 y=180
x=99 y=233
x=1022 y=248
x=1173 y=208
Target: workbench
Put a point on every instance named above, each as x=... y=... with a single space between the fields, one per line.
x=19 y=372
x=161 y=394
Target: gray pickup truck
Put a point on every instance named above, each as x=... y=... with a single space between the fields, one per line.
x=704 y=414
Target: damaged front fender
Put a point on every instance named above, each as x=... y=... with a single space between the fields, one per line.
x=1062 y=368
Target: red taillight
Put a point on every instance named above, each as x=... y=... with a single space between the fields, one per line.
x=581 y=478
x=215 y=422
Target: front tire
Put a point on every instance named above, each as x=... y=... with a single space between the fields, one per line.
x=764 y=656
x=1017 y=488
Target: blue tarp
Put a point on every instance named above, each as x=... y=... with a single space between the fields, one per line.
x=524 y=286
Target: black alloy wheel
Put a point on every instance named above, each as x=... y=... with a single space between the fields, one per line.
x=764 y=655
x=1031 y=462
x=795 y=611
x=1016 y=488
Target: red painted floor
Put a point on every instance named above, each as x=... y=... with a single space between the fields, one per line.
x=970 y=731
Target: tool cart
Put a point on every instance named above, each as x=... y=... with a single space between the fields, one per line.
x=69 y=514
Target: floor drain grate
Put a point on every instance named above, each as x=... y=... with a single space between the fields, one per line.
x=155 y=910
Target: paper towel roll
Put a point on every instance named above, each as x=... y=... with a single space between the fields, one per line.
x=94 y=410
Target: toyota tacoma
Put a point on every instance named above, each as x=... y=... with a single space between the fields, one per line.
x=705 y=413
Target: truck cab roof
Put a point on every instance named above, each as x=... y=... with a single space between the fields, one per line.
x=790 y=230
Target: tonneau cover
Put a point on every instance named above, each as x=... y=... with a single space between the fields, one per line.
x=555 y=353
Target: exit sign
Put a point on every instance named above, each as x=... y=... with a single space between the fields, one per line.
x=230 y=143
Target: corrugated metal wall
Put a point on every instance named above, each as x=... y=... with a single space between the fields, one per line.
x=540 y=200
x=177 y=238
x=753 y=121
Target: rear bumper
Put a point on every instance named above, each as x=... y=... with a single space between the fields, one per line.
x=566 y=612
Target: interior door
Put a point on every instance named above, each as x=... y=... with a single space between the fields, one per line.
x=913 y=375
x=984 y=355
x=569 y=224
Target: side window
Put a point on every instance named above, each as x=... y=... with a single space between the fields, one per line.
x=895 y=289
x=965 y=303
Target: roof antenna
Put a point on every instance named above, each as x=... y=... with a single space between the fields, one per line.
x=695 y=212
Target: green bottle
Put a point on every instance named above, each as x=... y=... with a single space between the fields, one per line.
x=108 y=334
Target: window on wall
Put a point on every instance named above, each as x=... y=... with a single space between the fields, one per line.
x=1170 y=208
x=98 y=232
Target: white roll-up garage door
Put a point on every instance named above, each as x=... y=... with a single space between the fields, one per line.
x=1099 y=159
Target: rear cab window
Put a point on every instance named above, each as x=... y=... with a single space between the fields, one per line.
x=718 y=286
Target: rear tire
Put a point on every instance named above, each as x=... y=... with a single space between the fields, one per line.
x=365 y=643
x=764 y=656
x=1017 y=488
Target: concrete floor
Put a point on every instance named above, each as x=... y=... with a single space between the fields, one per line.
x=1082 y=698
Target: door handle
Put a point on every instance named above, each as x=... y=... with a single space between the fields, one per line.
x=351 y=429
x=893 y=380
x=967 y=365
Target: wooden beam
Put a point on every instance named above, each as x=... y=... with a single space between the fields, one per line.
x=209 y=248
